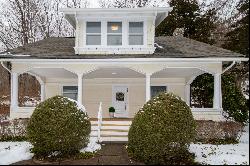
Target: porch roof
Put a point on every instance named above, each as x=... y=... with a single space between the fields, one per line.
x=166 y=47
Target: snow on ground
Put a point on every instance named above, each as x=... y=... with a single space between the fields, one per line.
x=230 y=154
x=11 y=152
x=92 y=146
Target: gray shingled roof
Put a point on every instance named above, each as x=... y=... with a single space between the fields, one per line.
x=172 y=47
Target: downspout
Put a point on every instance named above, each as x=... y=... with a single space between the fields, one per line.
x=76 y=35
x=226 y=69
x=229 y=67
x=6 y=67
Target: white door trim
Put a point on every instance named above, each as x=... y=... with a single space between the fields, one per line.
x=126 y=115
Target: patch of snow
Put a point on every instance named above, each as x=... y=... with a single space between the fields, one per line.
x=5 y=102
x=19 y=55
x=92 y=146
x=79 y=106
x=11 y=152
x=230 y=154
x=157 y=45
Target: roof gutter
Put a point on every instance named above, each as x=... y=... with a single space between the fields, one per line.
x=126 y=60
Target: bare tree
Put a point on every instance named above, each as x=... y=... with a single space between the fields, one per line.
x=132 y=3
x=27 y=21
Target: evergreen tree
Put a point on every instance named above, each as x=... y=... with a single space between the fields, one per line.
x=238 y=41
x=233 y=102
x=238 y=37
x=187 y=14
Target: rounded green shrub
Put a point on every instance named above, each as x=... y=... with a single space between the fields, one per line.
x=162 y=130
x=58 y=126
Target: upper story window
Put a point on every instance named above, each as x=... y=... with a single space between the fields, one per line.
x=114 y=33
x=135 y=33
x=93 y=33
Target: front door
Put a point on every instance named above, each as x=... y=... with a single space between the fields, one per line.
x=120 y=101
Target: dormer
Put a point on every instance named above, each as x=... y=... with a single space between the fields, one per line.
x=115 y=30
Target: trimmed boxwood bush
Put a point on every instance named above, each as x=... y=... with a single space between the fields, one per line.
x=161 y=131
x=58 y=127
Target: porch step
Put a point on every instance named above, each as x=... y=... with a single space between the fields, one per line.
x=116 y=123
x=111 y=131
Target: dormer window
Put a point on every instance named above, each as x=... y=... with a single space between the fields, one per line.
x=114 y=33
x=135 y=33
x=93 y=33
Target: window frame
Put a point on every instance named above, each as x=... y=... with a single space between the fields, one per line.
x=115 y=34
x=125 y=33
x=93 y=34
x=137 y=34
x=159 y=85
x=65 y=85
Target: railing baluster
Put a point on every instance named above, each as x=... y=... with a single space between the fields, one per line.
x=99 y=116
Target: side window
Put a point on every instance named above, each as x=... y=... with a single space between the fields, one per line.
x=155 y=90
x=135 y=33
x=93 y=33
x=114 y=32
x=70 y=92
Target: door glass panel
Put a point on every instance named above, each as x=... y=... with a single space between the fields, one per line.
x=119 y=96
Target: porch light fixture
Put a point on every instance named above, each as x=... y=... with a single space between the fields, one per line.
x=113 y=73
x=114 y=27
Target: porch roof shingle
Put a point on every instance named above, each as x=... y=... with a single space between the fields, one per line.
x=170 y=47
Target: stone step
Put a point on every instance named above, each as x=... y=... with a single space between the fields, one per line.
x=109 y=133
x=114 y=139
x=115 y=123
x=111 y=127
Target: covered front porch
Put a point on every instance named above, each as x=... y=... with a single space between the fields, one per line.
x=124 y=84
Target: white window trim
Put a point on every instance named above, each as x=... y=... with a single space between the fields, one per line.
x=144 y=33
x=114 y=34
x=125 y=34
x=166 y=85
x=68 y=84
x=86 y=34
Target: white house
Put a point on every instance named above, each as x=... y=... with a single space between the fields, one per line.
x=116 y=59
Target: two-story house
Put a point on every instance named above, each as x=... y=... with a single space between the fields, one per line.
x=116 y=59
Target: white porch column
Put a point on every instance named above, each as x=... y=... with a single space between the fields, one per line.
x=14 y=91
x=148 y=91
x=217 y=101
x=80 y=83
x=187 y=93
x=42 y=92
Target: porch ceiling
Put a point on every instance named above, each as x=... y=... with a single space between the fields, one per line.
x=116 y=72
x=53 y=73
x=177 y=73
x=111 y=72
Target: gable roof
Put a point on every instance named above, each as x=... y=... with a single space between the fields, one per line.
x=168 y=47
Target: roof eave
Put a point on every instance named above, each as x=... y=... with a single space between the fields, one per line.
x=222 y=59
x=160 y=12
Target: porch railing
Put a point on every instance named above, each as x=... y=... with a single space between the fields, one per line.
x=99 y=117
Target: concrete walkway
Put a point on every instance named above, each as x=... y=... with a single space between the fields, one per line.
x=110 y=154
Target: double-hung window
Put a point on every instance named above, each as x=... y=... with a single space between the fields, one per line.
x=114 y=33
x=155 y=90
x=93 y=33
x=135 y=33
x=70 y=92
